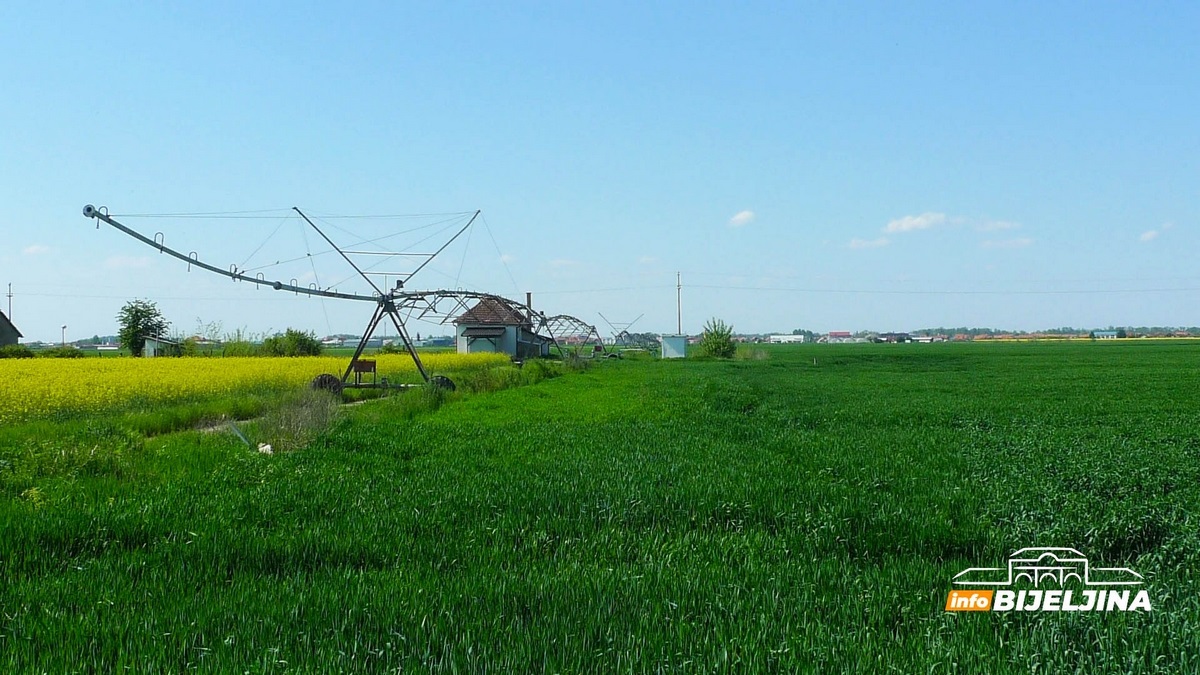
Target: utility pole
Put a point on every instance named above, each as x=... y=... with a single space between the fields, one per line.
x=10 y=301
x=678 y=305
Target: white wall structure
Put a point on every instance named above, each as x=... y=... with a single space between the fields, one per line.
x=674 y=346
x=156 y=346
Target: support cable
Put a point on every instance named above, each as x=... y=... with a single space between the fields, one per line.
x=265 y=241
x=316 y=278
x=500 y=255
x=463 y=263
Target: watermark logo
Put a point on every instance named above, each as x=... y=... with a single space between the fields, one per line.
x=1048 y=579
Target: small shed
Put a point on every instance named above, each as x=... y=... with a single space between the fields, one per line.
x=160 y=346
x=674 y=346
x=9 y=335
x=493 y=326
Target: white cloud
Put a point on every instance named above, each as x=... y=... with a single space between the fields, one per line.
x=36 y=249
x=910 y=223
x=563 y=262
x=506 y=258
x=1020 y=242
x=647 y=260
x=993 y=225
x=1151 y=235
x=741 y=218
x=869 y=243
x=126 y=262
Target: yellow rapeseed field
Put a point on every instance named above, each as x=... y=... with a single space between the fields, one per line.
x=31 y=388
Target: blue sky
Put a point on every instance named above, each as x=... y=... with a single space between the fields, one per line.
x=832 y=167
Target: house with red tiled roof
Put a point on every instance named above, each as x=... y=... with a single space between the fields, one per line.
x=495 y=326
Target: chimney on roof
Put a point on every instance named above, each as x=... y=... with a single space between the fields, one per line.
x=529 y=300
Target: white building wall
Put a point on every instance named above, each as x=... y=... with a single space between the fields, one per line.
x=674 y=346
x=505 y=344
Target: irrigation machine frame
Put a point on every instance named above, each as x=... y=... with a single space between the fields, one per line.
x=397 y=304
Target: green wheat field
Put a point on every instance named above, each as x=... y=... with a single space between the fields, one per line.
x=798 y=509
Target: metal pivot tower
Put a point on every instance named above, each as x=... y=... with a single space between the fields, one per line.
x=386 y=306
x=621 y=335
x=396 y=305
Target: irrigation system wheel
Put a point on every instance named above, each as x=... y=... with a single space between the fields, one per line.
x=442 y=382
x=327 y=382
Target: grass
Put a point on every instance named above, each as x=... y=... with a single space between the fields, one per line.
x=804 y=509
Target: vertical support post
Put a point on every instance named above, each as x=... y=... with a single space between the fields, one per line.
x=362 y=343
x=390 y=309
x=678 y=305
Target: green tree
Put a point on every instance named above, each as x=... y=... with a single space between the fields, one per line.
x=292 y=343
x=717 y=340
x=140 y=319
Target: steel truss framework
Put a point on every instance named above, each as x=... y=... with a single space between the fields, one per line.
x=621 y=335
x=567 y=330
x=396 y=305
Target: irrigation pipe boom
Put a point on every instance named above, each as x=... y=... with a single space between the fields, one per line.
x=193 y=260
x=441 y=306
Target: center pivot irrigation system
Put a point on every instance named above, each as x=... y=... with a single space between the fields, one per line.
x=621 y=335
x=397 y=304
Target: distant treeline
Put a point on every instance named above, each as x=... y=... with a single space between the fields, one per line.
x=1132 y=331
x=1065 y=331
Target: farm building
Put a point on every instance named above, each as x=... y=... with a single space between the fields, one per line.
x=837 y=336
x=1106 y=335
x=492 y=326
x=158 y=346
x=9 y=335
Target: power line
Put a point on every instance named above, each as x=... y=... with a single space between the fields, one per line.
x=864 y=291
x=732 y=275
x=1094 y=291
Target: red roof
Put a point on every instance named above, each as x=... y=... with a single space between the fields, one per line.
x=492 y=312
